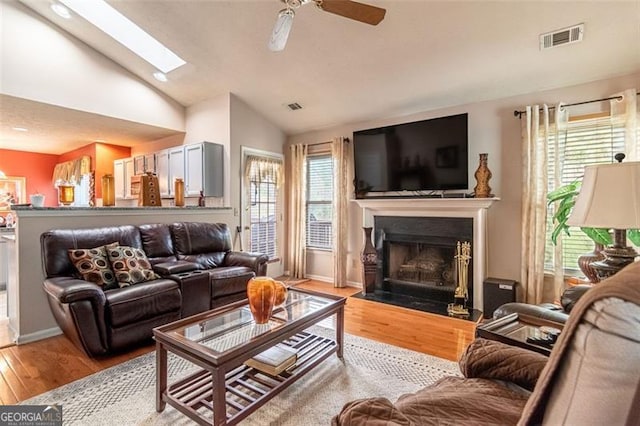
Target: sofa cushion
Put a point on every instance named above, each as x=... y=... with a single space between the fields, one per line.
x=93 y=265
x=229 y=280
x=130 y=265
x=157 y=242
x=202 y=243
x=55 y=244
x=146 y=300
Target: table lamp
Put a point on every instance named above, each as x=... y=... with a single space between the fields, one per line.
x=610 y=198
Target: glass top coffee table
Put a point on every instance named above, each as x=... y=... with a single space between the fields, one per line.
x=224 y=390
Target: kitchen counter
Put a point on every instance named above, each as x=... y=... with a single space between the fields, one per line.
x=28 y=211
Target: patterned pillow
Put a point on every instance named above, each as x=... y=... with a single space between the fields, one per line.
x=130 y=265
x=93 y=265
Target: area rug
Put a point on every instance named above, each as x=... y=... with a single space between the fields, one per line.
x=125 y=394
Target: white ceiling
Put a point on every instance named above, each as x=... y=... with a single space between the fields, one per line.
x=424 y=55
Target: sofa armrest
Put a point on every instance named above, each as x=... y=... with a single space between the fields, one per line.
x=571 y=295
x=489 y=359
x=69 y=290
x=255 y=261
x=165 y=269
x=546 y=312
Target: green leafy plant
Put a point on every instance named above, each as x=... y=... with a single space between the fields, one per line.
x=566 y=196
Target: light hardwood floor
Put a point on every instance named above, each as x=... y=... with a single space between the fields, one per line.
x=34 y=368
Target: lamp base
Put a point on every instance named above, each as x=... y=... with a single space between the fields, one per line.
x=615 y=259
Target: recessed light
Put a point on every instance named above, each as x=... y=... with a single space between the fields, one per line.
x=160 y=76
x=61 y=11
x=20 y=129
x=122 y=29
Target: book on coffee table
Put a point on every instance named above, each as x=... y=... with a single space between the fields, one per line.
x=274 y=360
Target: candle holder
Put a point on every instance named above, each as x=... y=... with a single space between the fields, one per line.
x=66 y=194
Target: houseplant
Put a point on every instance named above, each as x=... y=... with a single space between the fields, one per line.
x=566 y=197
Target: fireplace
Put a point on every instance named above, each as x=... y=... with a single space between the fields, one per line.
x=442 y=222
x=416 y=257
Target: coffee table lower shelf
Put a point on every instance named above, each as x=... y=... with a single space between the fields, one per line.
x=246 y=388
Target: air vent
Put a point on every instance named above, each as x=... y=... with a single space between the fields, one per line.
x=294 y=106
x=560 y=37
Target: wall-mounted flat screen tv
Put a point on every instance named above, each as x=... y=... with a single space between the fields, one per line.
x=423 y=156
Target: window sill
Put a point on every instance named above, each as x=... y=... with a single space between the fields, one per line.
x=318 y=249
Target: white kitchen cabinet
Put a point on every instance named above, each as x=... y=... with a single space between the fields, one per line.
x=203 y=169
x=123 y=170
x=162 y=170
x=176 y=166
x=144 y=164
x=150 y=163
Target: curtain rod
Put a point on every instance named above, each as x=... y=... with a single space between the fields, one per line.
x=518 y=114
x=322 y=143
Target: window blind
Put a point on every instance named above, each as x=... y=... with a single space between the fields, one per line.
x=319 y=213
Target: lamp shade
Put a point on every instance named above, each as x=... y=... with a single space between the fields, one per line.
x=609 y=197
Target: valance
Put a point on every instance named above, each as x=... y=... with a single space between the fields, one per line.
x=264 y=168
x=72 y=171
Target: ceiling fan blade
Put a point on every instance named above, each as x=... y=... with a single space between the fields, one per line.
x=353 y=10
x=281 y=29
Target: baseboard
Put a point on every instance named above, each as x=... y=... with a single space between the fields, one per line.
x=319 y=278
x=355 y=284
x=38 y=335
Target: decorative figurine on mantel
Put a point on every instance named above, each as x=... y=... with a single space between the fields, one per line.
x=461 y=295
x=201 y=199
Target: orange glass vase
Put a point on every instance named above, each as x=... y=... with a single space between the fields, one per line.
x=261 y=292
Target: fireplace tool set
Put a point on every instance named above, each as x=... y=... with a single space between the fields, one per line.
x=462 y=258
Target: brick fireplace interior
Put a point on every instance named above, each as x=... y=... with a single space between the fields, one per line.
x=416 y=264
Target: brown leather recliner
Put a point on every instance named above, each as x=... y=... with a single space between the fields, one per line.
x=548 y=311
x=590 y=378
x=198 y=271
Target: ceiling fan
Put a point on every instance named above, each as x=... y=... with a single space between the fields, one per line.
x=349 y=9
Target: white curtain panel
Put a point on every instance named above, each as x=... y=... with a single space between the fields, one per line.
x=625 y=113
x=297 y=187
x=342 y=178
x=534 y=201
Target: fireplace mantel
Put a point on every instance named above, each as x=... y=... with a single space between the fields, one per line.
x=421 y=204
x=475 y=208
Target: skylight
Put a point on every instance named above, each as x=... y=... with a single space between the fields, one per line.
x=115 y=24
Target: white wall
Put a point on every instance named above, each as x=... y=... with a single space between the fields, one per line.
x=492 y=129
x=42 y=63
x=250 y=129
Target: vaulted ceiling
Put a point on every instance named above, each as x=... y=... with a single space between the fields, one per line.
x=424 y=55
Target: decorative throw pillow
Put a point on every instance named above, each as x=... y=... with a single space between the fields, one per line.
x=93 y=265
x=130 y=265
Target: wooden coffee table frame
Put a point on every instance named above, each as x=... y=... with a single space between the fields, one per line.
x=198 y=397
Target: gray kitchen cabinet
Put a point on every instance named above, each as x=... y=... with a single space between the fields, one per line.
x=204 y=169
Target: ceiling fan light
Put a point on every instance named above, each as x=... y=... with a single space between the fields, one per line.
x=281 y=30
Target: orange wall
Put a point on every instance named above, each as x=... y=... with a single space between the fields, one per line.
x=105 y=154
x=36 y=168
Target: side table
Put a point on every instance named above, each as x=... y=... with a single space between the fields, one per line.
x=514 y=329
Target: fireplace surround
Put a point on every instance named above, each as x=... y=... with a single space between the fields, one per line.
x=424 y=241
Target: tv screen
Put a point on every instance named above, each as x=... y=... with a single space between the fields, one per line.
x=423 y=156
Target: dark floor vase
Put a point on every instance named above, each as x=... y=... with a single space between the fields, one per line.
x=369 y=259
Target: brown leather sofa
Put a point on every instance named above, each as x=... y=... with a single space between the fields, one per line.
x=548 y=311
x=198 y=271
x=590 y=378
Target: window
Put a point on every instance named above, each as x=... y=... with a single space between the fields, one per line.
x=319 y=225
x=263 y=178
x=587 y=141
